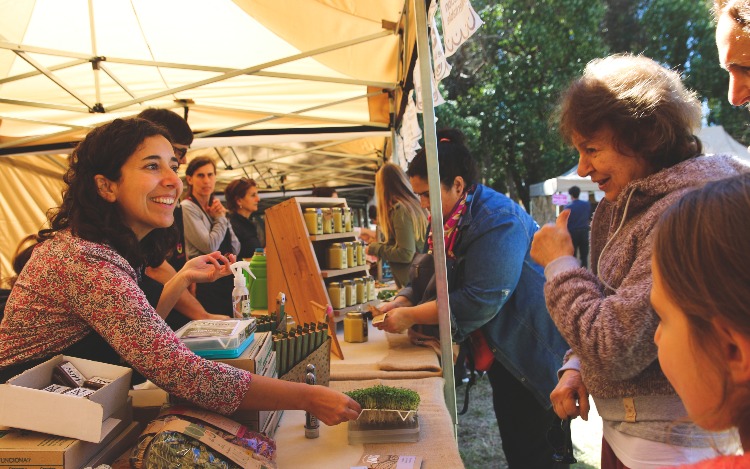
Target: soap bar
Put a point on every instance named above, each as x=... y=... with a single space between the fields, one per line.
x=79 y=392
x=97 y=382
x=57 y=388
x=68 y=375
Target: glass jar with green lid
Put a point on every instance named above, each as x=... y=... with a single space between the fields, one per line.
x=348 y=287
x=336 y=295
x=314 y=221
x=359 y=290
x=337 y=256
x=347 y=219
x=327 y=221
x=338 y=222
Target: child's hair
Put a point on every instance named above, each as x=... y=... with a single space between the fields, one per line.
x=702 y=251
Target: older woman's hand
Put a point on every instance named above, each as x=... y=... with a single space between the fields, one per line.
x=208 y=267
x=552 y=241
x=570 y=398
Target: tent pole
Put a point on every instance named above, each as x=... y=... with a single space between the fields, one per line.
x=433 y=176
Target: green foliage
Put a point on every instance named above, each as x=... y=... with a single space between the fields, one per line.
x=508 y=77
x=385 y=398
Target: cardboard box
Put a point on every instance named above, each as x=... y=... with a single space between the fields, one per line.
x=118 y=446
x=254 y=358
x=24 y=405
x=27 y=449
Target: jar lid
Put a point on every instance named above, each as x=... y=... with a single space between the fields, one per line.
x=354 y=315
x=358 y=280
x=346 y=282
x=334 y=284
x=336 y=209
x=311 y=209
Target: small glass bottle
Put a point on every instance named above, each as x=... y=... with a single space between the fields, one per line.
x=355 y=327
x=351 y=260
x=314 y=221
x=349 y=294
x=338 y=221
x=337 y=256
x=347 y=219
x=336 y=295
x=359 y=289
x=371 y=293
x=361 y=252
x=327 y=221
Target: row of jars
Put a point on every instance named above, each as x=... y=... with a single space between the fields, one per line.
x=351 y=292
x=328 y=220
x=346 y=255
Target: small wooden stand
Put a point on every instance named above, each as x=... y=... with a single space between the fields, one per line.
x=321 y=315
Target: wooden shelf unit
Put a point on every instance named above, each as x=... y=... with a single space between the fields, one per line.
x=294 y=257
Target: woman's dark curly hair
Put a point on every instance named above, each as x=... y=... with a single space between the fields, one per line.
x=104 y=151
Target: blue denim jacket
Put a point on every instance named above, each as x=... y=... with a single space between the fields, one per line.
x=496 y=286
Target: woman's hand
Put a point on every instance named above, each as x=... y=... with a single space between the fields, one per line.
x=331 y=407
x=397 y=320
x=570 y=398
x=367 y=235
x=399 y=301
x=552 y=241
x=216 y=210
x=208 y=267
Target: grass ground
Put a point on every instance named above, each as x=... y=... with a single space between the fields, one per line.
x=479 y=439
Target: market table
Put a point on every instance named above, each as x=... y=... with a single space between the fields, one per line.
x=437 y=446
x=383 y=356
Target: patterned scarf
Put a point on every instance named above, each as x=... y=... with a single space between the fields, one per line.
x=450 y=225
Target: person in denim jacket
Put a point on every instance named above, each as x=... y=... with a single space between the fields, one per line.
x=494 y=287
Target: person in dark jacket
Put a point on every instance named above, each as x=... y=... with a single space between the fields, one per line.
x=579 y=224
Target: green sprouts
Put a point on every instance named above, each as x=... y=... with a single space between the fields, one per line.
x=385 y=397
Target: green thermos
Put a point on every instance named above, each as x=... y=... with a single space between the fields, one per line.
x=258 y=286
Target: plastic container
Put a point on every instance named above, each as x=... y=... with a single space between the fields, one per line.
x=338 y=221
x=259 y=285
x=240 y=293
x=216 y=334
x=337 y=295
x=314 y=221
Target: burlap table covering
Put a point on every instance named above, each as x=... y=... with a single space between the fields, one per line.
x=391 y=356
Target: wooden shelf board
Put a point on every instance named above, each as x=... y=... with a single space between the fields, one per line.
x=328 y=237
x=340 y=272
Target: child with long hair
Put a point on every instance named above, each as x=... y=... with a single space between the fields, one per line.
x=700 y=292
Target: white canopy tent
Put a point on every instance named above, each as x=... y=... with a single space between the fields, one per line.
x=293 y=93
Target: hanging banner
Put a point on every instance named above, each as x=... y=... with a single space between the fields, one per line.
x=440 y=64
x=437 y=98
x=410 y=131
x=460 y=21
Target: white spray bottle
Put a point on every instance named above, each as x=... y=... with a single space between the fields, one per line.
x=240 y=294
